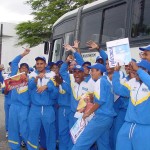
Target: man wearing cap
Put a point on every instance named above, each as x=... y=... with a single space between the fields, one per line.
x=64 y=119
x=43 y=90
x=87 y=75
x=19 y=108
x=78 y=88
x=98 y=128
x=135 y=132
x=146 y=51
x=99 y=59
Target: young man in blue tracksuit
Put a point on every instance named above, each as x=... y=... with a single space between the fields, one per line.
x=20 y=102
x=64 y=110
x=135 y=132
x=120 y=102
x=6 y=101
x=42 y=87
x=77 y=84
x=98 y=128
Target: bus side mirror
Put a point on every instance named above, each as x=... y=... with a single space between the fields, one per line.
x=46 y=47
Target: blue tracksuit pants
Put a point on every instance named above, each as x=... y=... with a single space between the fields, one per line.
x=6 y=108
x=41 y=115
x=133 y=137
x=97 y=130
x=64 y=117
x=17 y=125
x=117 y=124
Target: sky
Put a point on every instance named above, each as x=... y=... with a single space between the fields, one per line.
x=14 y=11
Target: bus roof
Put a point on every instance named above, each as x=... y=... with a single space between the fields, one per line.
x=76 y=10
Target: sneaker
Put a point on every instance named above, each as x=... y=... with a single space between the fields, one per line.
x=6 y=134
x=23 y=144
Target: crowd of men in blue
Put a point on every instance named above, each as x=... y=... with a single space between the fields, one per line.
x=42 y=113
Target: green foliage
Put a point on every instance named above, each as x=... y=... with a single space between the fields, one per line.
x=45 y=13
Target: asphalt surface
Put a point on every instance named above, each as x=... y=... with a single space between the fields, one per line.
x=3 y=139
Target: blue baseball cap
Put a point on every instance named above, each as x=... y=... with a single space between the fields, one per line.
x=145 y=64
x=24 y=64
x=145 y=48
x=98 y=57
x=78 y=67
x=40 y=58
x=86 y=62
x=59 y=62
x=53 y=63
x=98 y=66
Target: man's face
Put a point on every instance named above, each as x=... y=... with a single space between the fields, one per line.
x=95 y=73
x=78 y=75
x=147 y=55
x=127 y=69
x=86 y=69
x=109 y=70
x=132 y=74
x=24 y=69
x=55 y=68
x=40 y=65
x=72 y=65
x=100 y=61
x=142 y=55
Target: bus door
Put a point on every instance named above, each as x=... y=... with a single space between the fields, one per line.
x=56 y=51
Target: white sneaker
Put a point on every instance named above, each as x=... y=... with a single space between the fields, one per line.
x=23 y=144
x=6 y=134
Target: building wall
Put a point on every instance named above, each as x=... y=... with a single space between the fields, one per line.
x=10 y=50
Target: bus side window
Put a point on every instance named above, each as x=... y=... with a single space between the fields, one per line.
x=114 y=20
x=140 y=18
x=90 y=27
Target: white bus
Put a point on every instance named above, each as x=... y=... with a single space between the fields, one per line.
x=102 y=21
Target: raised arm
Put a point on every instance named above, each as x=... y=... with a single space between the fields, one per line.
x=120 y=89
x=144 y=76
x=94 y=46
x=16 y=60
x=77 y=55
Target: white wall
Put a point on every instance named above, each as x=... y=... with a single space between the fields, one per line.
x=10 y=50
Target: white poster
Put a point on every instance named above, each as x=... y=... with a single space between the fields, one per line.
x=79 y=126
x=118 y=52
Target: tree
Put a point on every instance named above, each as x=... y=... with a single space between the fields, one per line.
x=45 y=13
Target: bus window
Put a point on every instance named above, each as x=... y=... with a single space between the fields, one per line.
x=114 y=23
x=140 y=18
x=69 y=39
x=64 y=27
x=90 y=27
x=56 y=50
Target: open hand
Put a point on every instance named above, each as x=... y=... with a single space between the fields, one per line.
x=92 y=45
x=76 y=44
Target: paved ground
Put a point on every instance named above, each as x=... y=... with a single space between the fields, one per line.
x=3 y=140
